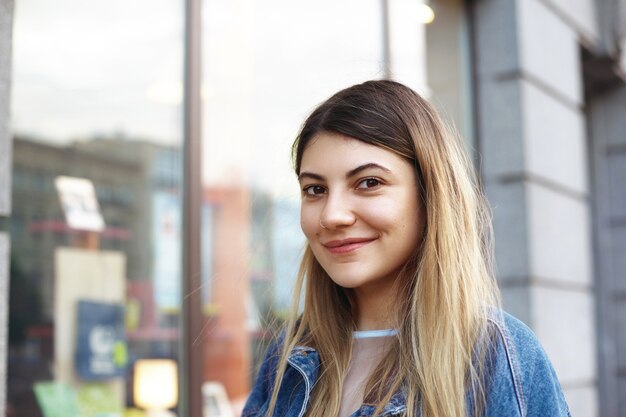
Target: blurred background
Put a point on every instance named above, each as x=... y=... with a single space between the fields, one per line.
x=149 y=226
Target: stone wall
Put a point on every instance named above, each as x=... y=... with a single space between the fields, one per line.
x=532 y=139
x=607 y=127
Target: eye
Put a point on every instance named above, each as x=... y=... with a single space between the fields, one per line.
x=368 y=183
x=312 y=190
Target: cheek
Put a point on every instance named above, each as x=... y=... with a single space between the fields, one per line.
x=308 y=222
x=385 y=214
x=403 y=220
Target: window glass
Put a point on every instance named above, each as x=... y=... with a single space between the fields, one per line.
x=448 y=46
x=266 y=65
x=95 y=98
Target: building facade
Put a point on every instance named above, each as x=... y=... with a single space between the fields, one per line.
x=536 y=87
x=549 y=79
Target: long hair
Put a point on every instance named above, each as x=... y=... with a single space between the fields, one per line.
x=446 y=290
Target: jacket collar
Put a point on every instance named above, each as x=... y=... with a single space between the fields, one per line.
x=306 y=360
x=396 y=405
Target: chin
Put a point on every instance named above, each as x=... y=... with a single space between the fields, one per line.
x=348 y=281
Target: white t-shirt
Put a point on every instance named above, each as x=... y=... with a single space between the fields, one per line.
x=368 y=348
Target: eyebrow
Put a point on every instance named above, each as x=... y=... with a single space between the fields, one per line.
x=349 y=174
x=363 y=167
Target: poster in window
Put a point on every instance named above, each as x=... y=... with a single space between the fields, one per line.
x=101 y=345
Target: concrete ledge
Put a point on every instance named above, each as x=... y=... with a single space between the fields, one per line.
x=545 y=282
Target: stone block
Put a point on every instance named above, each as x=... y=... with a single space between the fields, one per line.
x=549 y=49
x=580 y=14
x=582 y=401
x=618 y=257
x=501 y=127
x=516 y=301
x=559 y=236
x=496 y=33
x=508 y=205
x=554 y=135
x=564 y=323
x=616 y=166
x=620 y=312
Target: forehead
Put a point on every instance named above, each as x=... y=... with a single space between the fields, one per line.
x=326 y=150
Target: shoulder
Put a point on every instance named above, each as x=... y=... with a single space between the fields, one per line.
x=522 y=376
x=518 y=341
x=261 y=391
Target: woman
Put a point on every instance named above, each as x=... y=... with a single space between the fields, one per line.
x=401 y=311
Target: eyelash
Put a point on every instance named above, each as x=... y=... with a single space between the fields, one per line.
x=307 y=190
x=365 y=180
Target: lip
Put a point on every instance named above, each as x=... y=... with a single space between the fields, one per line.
x=341 y=246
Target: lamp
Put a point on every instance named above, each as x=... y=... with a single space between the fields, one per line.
x=425 y=13
x=155 y=386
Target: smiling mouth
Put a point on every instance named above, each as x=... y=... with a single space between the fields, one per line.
x=342 y=246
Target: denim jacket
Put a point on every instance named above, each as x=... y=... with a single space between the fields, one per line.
x=522 y=380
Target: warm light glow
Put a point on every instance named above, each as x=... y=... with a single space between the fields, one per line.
x=156 y=384
x=426 y=14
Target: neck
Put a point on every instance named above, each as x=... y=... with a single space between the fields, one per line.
x=374 y=307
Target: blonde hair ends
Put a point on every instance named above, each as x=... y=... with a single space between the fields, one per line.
x=447 y=288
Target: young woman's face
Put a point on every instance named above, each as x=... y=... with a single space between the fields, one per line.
x=361 y=211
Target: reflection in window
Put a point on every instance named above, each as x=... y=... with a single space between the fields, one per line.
x=266 y=65
x=89 y=102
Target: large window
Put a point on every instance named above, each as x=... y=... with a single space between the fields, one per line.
x=266 y=66
x=96 y=99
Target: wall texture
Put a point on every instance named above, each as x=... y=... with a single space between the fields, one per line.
x=532 y=138
x=608 y=146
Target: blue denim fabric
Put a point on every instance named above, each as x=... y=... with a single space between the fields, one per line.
x=521 y=381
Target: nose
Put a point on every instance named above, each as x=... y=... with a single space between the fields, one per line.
x=338 y=212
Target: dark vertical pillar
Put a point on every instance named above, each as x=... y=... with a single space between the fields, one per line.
x=191 y=369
